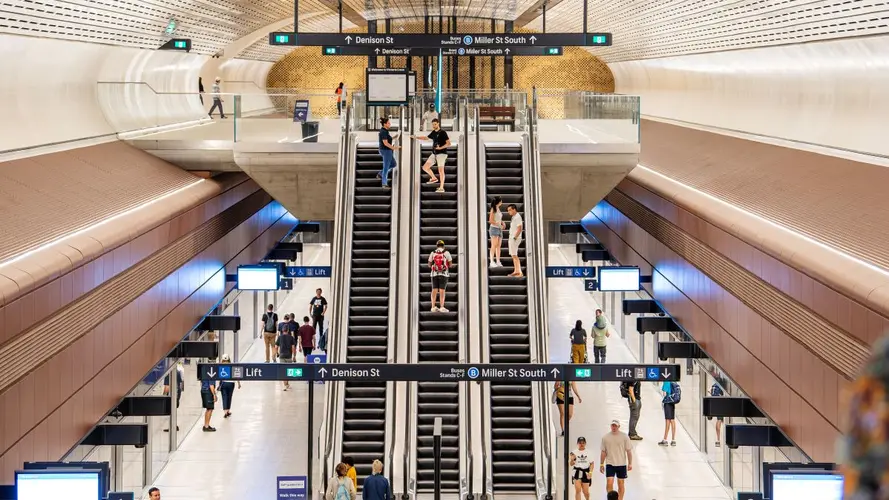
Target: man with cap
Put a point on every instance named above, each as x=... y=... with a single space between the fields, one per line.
x=581 y=461
x=616 y=458
x=439 y=263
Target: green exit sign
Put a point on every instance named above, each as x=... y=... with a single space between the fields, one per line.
x=600 y=39
x=330 y=51
x=280 y=38
x=583 y=372
x=554 y=51
x=295 y=372
x=180 y=44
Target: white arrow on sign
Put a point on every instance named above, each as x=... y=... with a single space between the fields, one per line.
x=377 y=50
x=507 y=51
x=322 y=371
x=586 y=272
x=665 y=373
x=555 y=372
x=348 y=38
x=211 y=372
x=533 y=39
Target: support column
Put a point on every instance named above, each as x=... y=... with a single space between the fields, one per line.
x=388 y=28
x=455 y=64
x=507 y=60
x=371 y=29
x=472 y=72
x=340 y=12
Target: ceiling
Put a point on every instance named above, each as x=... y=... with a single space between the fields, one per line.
x=642 y=28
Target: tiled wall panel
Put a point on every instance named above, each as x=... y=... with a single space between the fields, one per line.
x=800 y=392
x=50 y=409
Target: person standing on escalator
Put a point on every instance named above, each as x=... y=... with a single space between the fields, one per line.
x=439 y=264
x=440 y=144
x=387 y=151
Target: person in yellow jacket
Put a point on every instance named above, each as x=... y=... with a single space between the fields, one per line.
x=352 y=473
x=578 y=343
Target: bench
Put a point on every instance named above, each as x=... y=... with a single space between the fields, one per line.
x=497 y=115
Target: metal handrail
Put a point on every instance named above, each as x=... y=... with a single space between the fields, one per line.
x=462 y=293
x=482 y=311
x=344 y=209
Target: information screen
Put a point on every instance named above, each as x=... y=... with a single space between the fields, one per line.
x=618 y=279
x=387 y=88
x=412 y=83
x=808 y=485
x=258 y=278
x=44 y=485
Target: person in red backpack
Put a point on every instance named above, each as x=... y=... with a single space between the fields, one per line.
x=439 y=262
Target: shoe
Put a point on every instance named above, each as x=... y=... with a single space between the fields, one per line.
x=285 y=388
x=434 y=309
x=672 y=443
x=386 y=186
x=498 y=264
x=379 y=176
x=432 y=181
x=228 y=414
x=439 y=190
x=443 y=310
x=662 y=443
x=562 y=434
x=636 y=437
x=209 y=429
x=717 y=444
x=267 y=361
x=224 y=117
x=493 y=265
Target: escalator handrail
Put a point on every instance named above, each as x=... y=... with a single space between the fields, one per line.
x=463 y=226
x=482 y=311
x=410 y=430
x=340 y=295
x=535 y=262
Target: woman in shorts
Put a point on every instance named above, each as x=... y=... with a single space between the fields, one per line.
x=495 y=230
x=581 y=461
x=559 y=399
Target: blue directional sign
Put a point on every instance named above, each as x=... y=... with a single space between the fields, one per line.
x=313 y=359
x=225 y=373
x=589 y=285
x=308 y=272
x=292 y=487
x=570 y=272
x=653 y=373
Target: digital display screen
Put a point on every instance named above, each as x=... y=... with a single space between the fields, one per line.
x=258 y=278
x=618 y=279
x=387 y=88
x=788 y=485
x=70 y=485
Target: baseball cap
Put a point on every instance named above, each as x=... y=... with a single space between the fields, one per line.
x=615 y=422
x=439 y=243
x=581 y=439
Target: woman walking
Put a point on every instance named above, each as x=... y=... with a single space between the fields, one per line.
x=578 y=343
x=340 y=94
x=600 y=334
x=340 y=487
x=495 y=230
x=387 y=151
x=559 y=397
x=227 y=388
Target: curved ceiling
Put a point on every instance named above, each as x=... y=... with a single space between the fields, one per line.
x=643 y=29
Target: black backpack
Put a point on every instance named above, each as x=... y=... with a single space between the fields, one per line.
x=625 y=390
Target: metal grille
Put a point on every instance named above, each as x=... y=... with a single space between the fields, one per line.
x=645 y=29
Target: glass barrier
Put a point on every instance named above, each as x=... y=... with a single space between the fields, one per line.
x=587 y=116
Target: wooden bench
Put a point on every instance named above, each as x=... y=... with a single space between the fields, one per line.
x=497 y=115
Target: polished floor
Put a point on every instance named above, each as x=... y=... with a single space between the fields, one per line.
x=660 y=473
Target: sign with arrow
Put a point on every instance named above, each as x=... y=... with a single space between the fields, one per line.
x=430 y=51
x=307 y=272
x=442 y=40
x=570 y=272
x=439 y=372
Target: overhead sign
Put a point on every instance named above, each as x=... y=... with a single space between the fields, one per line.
x=570 y=272
x=183 y=44
x=292 y=487
x=449 y=52
x=441 y=40
x=619 y=279
x=307 y=272
x=588 y=285
x=438 y=372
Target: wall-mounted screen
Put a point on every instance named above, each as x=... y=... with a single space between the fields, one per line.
x=258 y=278
x=47 y=484
x=811 y=485
x=386 y=87
x=618 y=279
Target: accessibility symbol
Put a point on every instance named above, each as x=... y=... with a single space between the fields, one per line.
x=654 y=374
x=224 y=372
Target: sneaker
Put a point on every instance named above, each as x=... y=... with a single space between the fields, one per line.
x=434 y=309
x=662 y=443
x=440 y=190
x=498 y=264
x=672 y=443
x=636 y=437
x=386 y=186
x=494 y=264
x=379 y=176
x=432 y=181
x=209 y=429
x=717 y=444
x=443 y=310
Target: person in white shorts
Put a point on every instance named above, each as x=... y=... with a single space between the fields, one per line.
x=440 y=144
x=516 y=225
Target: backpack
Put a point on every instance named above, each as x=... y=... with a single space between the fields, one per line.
x=625 y=390
x=716 y=391
x=342 y=493
x=270 y=322
x=439 y=262
x=675 y=393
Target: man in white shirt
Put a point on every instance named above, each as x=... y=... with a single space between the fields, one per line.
x=617 y=451
x=516 y=225
x=428 y=116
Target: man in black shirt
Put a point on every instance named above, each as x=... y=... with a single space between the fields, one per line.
x=317 y=310
x=286 y=350
x=440 y=144
x=633 y=392
x=387 y=152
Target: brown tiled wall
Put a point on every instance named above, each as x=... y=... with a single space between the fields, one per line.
x=50 y=409
x=799 y=392
x=33 y=306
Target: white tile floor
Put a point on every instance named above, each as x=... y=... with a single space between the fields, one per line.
x=266 y=435
x=671 y=473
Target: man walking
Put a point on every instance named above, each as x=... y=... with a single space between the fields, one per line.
x=269 y=324
x=286 y=349
x=616 y=458
x=376 y=486
x=306 y=334
x=632 y=391
x=217 y=99
x=439 y=262
x=516 y=225
x=317 y=310
x=440 y=144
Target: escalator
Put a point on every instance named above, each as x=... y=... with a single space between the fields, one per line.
x=438 y=333
x=512 y=419
x=364 y=410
